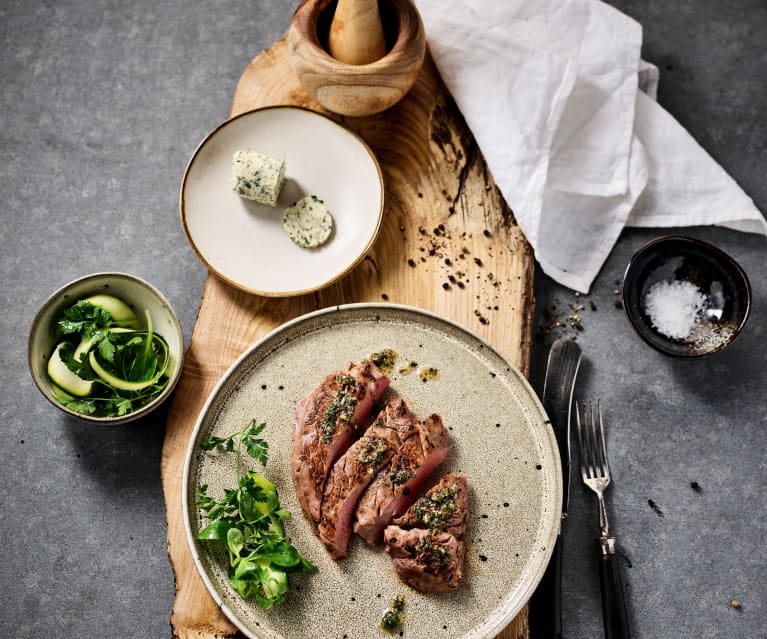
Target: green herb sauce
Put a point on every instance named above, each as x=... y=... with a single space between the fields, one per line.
x=400 y=476
x=391 y=619
x=431 y=554
x=342 y=409
x=384 y=359
x=428 y=373
x=373 y=452
x=434 y=511
x=408 y=368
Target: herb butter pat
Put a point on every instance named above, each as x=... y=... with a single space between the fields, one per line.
x=308 y=222
x=257 y=177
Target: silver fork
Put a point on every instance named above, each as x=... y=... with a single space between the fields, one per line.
x=595 y=471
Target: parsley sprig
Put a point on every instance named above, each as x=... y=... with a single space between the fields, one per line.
x=257 y=447
x=248 y=521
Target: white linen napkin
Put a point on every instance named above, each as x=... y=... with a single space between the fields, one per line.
x=564 y=111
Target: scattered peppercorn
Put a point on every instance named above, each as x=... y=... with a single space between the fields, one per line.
x=655 y=507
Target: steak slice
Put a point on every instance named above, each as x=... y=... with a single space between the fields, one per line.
x=426 y=543
x=348 y=478
x=426 y=560
x=445 y=506
x=325 y=424
x=397 y=485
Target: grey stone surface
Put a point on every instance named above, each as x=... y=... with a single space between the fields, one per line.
x=102 y=104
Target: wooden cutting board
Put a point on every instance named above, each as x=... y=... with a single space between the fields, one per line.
x=448 y=243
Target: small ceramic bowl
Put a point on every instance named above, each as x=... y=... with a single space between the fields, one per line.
x=351 y=89
x=139 y=295
x=684 y=297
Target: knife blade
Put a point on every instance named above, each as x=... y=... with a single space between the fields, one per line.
x=545 y=614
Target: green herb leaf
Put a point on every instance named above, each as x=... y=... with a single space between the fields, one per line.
x=211 y=442
x=234 y=541
x=84 y=319
x=248 y=522
x=216 y=531
x=105 y=348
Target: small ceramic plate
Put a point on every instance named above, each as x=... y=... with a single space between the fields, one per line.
x=242 y=241
x=498 y=437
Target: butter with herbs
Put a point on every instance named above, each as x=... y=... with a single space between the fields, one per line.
x=256 y=176
x=308 y=222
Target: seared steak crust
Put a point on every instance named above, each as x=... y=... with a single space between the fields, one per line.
x=397 y=485
x=325 y=424
x=426 y=560
x=427 y=541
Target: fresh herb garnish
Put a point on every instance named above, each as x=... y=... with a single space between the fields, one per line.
x=248 y=521
x=373 y=452
x=341 y=410
x=391 y=618
x=429 y=553
x=257 y=448
x=400 y=476
x=434 y=510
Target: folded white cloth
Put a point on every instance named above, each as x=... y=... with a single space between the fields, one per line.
x=564 y=111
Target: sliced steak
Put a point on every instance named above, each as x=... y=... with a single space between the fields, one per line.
x=426 y=560
x=325 y=424
x=397 y=485
x=347 y=480
x=426 y=543
x=445 y=506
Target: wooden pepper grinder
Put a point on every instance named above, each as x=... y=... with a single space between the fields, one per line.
x=356 y=32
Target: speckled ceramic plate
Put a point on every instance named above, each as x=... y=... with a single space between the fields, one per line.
x=499 y=438
x=242 y=241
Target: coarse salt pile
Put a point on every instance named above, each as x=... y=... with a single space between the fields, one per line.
x=675 y=307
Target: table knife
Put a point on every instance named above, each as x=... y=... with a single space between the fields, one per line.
x=545 y=614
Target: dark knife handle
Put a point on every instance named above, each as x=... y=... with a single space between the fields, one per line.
x=545 y=614
x=614 y=612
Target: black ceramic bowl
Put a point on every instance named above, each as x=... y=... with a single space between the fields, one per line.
x=684 y=297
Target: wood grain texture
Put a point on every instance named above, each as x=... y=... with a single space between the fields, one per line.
x=448 y=244
x=356 y=33
x=357 y=89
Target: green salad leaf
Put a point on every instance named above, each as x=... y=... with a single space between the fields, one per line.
x=248 y=522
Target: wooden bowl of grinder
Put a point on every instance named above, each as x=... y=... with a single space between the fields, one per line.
x=357 y=89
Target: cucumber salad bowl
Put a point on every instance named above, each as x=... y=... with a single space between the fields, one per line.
x=106 y=348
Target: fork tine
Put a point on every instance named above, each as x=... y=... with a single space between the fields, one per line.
x=603 y=447
x=588 y=459
x=594 y=442
x=581 y=443
x=588 y=438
